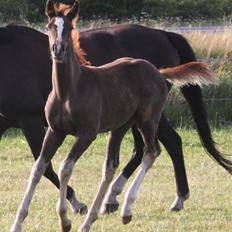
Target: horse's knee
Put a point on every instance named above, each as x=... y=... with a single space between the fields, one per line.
x=109 y=170
x=65 y=169
x=38 y=170
x=148 y=159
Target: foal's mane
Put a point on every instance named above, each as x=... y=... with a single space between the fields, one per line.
x=80 y=53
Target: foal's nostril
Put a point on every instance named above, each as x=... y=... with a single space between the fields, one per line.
x=58 y=49
x=54 y=48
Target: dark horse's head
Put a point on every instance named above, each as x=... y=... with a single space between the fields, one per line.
x=59 y=29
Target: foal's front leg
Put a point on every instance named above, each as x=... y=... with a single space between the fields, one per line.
x=110 y=165
x=65 y=172
x=51 y=143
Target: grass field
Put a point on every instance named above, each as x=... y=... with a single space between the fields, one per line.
x=208 y=209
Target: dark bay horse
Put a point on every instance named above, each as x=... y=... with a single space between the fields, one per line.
x=22 y=49
x=87 y=100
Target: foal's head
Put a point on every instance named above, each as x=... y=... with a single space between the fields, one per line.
x=59 y=29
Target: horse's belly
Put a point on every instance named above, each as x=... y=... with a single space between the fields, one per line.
x=117 y=115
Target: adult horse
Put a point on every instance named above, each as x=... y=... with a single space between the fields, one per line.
x=22 y=49
x=87 y=100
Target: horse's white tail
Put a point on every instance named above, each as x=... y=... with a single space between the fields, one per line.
x=194 y=73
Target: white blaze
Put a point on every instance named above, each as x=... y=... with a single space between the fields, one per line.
x=59 y=22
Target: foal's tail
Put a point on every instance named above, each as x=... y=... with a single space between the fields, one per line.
x=194 y=73
x=197 y=73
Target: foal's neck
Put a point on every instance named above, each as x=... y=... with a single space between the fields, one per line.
x=66 y=74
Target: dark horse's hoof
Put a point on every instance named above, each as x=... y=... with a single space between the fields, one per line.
x=126 y=219
x=176 y=209
x=83 y=210
x=110 y=208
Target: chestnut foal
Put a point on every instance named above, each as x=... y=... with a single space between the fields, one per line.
x=86 y=101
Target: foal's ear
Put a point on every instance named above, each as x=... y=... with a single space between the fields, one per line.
x=74 y=10
x=50 y=9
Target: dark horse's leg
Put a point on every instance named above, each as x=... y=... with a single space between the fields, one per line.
x=3 y=126
x=33 y=129
x=172 y=142
x=110 y=203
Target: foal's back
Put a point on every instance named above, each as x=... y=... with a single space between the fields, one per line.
x=124 y=89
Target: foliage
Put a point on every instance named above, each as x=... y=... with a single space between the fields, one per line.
x=214 y=49
x=33 y=10
x=30 y=10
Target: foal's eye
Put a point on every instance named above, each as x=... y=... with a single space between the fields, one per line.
x=48 y=26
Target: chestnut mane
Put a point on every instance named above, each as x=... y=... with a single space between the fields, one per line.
x=80 y=53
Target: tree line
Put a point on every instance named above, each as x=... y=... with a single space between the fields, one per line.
x=33 y=10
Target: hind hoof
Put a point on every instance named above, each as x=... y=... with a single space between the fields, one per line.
x=110 y=208
x=126 y=219
x=178 y=203
x=84 y=228
x=176 y=209
x=83 y=210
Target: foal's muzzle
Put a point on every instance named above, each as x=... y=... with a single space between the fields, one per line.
x=58 y=52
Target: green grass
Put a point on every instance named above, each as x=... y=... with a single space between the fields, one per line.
x=208 y=209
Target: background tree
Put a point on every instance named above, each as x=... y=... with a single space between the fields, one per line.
x=33 y=10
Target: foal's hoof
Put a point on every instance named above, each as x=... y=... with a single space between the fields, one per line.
x=82 y=209
x=176 y=209
x=67 y=228
x=84 y=228
x=109 y=208
x=126 y=219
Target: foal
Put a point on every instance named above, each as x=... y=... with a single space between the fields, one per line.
x=86 y=101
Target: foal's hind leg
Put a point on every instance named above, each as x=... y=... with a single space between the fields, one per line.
x=109 y=168
x=172 y=142
x=151 y=151
x=33 y=129
x=110 y=203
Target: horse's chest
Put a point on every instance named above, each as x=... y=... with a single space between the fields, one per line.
x=62 y=117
